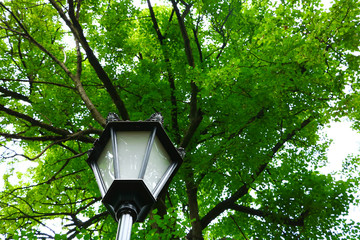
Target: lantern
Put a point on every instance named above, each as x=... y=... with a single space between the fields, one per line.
x=132 y=163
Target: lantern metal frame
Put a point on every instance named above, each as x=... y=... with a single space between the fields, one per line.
x=132 y=196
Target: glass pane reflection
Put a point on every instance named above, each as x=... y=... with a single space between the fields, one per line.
x=131 y=151
x=159 y=162
x=106 y=166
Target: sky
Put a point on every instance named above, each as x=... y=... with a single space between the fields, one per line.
x=346 y=141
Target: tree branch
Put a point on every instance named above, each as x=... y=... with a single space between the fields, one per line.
x=15 y=95
x=191 y=192
x=84 y=225
x=194 y=124
x=155 y=23
x=94 y=112
x=188 y=50
x=26 y=138
x=237 y=225
x=77 y=30
x=78 y=135
x=43 y=183
x=198 y=45
x=171 y=80
x=244 y=189
x=195 y=113
x=28 y=74
x=276 y=218
x=37 y=82
x=33 y=121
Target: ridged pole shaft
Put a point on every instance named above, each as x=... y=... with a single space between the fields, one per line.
x=124 y=227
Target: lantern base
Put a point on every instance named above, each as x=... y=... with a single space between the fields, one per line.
x=129 y=191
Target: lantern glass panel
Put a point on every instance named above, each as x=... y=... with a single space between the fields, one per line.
x=131 y=150
x=106 y=165
x=159 y=162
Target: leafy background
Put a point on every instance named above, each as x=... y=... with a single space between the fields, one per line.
x=245 y=87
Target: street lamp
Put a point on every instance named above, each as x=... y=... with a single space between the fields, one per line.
x=132 y=163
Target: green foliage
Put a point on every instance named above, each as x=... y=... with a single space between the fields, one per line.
x=171 y=225
x=244 y=86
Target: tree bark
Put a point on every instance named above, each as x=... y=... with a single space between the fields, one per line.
x=191 y=191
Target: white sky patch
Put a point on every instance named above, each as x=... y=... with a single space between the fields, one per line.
x=3 y=167
x=346 y=141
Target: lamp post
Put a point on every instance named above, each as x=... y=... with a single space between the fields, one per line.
x=132 y=163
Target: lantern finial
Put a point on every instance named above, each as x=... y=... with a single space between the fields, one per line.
x=112 y=117
x=181 y=151
x=156 y=117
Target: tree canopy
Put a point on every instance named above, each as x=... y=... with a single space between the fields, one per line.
x=244 y=86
